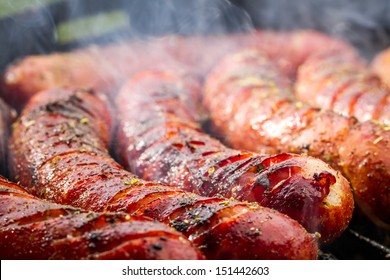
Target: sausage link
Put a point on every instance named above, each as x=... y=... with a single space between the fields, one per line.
x=247 y=95
x=341 y=81
x=59 y=151
x=380 y=65
x=104 y=67
x=31 y=228
x=159 y=139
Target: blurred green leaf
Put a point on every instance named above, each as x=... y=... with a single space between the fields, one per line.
x=11 y=7
x=91 y=26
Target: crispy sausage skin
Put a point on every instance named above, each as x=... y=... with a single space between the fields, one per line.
x=341 y=81
x=159 y=139
x=59 y=151
x=31 y=228
x=102 y=68
x=251 y=103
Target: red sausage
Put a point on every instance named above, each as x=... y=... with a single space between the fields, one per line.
x=160 y=140
x=59 y=151
x=31 y=228
x=247 y=95
x=102 y=68
x=380 y=65
x=340 y=81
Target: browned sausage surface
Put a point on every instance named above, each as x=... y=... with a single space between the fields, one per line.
x=251 y=103
x=381 y=66
x=59 y=151
x=102 y=68
x=31 y=228
x=160 y=140
x=341 y=81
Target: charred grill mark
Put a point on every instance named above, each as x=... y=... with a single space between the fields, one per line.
x=347 y=80
x=344 y=142
x=35 y=229
x=224 y=172
x=92 y=180
x=382 y=103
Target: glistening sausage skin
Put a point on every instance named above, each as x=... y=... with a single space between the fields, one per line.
x=160 y=139
x=59 y=151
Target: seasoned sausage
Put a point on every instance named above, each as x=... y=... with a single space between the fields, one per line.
x=31 y=228
x=159 y=139
x=247 y=96
x=59 y=151
x=103 y=67
x=341 y=81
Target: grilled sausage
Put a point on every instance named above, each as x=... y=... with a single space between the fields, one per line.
x=381 y=66
x=102 y=68
x=31 y=228
x=160 y=140
x=246 y=95
x=341 y=81
x=59 y=151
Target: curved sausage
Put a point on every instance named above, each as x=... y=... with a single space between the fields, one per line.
x=59 y=151
x=102 y=68
x=160 y=140
x=31 y=228
x=341 y=81
x=247 y=95
x=381 y=66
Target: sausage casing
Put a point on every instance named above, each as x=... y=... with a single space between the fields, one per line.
x=103 y=68
x=31 y=228
x=247 y=95
x=59 y=151
x=341 y=81
x=160 y=140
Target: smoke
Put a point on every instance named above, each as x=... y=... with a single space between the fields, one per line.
x=30 y=33
x=187 y=17
x=366 y=24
